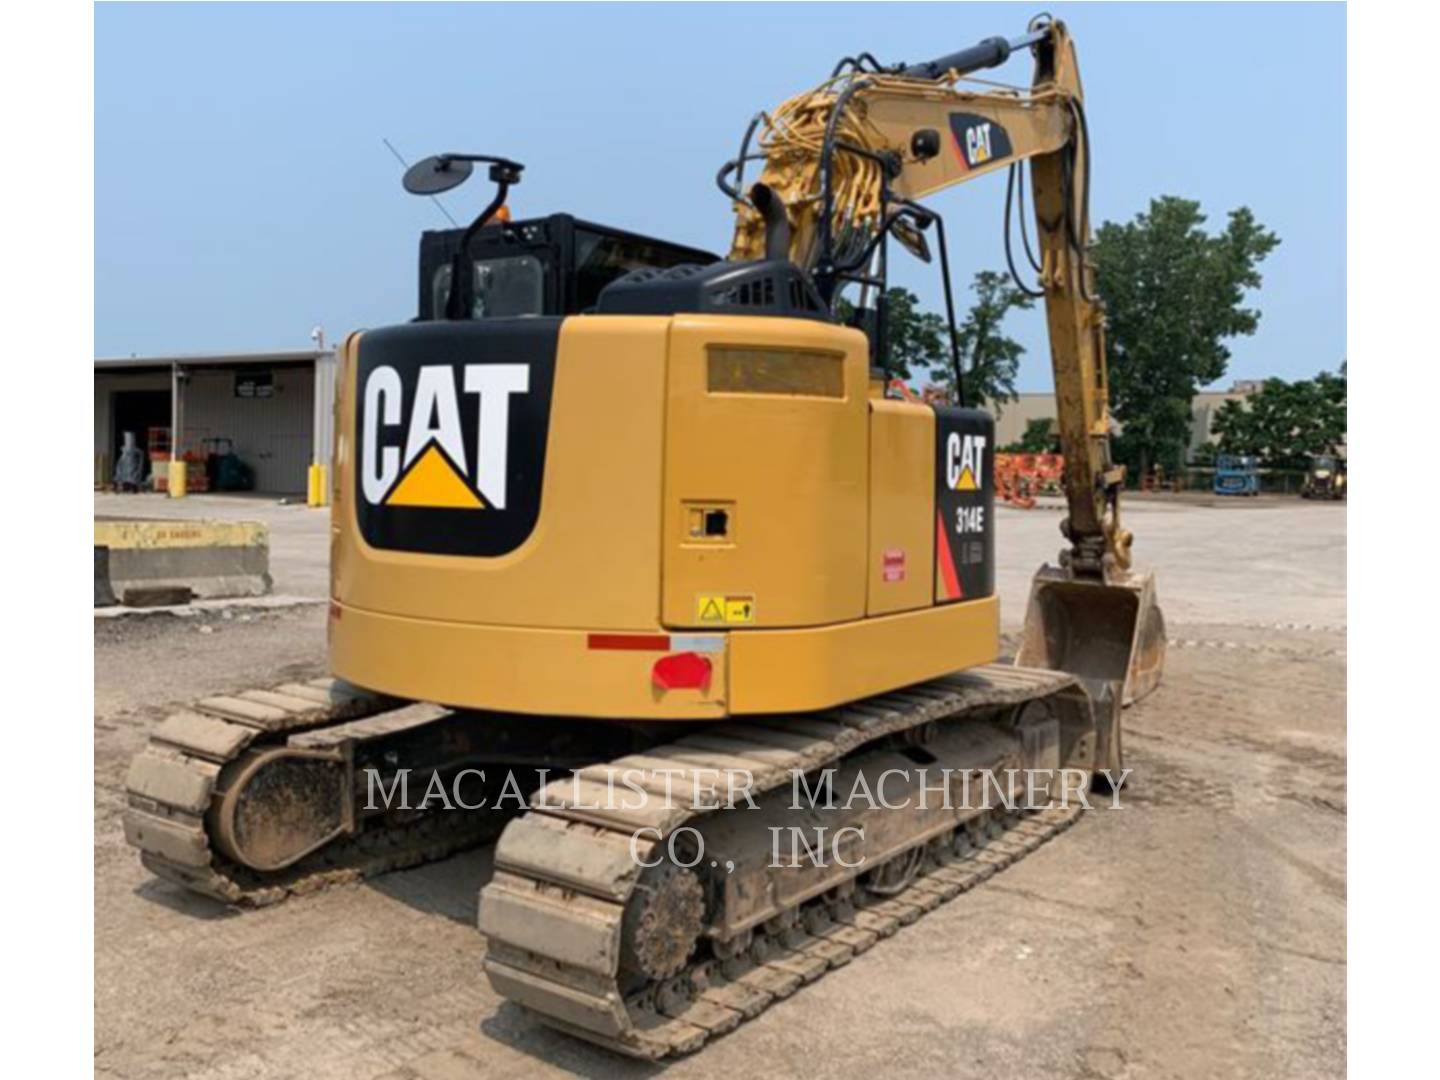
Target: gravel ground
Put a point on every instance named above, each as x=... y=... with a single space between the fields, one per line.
x=1199 y=931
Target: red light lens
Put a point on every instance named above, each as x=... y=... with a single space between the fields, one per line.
x=681 y=671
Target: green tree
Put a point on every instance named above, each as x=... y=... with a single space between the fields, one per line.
x=1285 y=422
x=990 y=359
x=918 y=340
x=1040 y=437
x=1205 y=453
x=1174 y=294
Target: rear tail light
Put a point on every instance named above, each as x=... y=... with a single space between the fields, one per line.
x=681 y=671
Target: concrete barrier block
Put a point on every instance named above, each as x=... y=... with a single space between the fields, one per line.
x=213 y=559
x=104 y=594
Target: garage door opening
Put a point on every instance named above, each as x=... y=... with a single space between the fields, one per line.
x=264 y=417
x=137 y=412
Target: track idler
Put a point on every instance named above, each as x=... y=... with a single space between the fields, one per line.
x=279 y=804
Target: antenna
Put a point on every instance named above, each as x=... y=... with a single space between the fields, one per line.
x=433 y=198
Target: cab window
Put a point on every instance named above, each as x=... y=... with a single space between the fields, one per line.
x=504 y=287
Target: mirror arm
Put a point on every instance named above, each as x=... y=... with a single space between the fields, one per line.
x=503 y=172
x=420 y=179
x=460 y=303
x=923 y=218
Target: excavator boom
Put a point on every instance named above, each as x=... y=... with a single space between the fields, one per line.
x=847 y=163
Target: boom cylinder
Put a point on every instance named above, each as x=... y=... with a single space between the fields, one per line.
x=992 y=52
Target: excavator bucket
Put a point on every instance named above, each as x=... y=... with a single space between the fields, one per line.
x=1104 y=633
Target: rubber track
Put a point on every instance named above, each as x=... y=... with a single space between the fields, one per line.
x=171 y=784
x=553 y=914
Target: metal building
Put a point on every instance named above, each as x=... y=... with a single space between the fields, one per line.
x=1014 y=416
x=273 y=410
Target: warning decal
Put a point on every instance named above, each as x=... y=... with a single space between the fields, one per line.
x=723 y=608
x=892 y=565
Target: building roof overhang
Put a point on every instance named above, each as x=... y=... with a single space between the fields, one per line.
x=223 y=360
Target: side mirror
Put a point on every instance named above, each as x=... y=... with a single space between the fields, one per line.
x=443 y=172
x=909 y=229
x=436 y=174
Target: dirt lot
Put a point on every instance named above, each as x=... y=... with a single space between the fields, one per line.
x=1198 y=932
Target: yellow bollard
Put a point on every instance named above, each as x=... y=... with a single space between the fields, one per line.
x=317 y=486
x=175 y=479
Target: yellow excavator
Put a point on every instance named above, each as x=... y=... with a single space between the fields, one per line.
x=632 y=545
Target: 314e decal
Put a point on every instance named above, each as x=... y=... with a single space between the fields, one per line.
x=450 y=432
x=964 y=504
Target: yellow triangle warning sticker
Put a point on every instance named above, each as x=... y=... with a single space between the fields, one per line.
x=725 y=608
x=966 y=481
x=433 y=481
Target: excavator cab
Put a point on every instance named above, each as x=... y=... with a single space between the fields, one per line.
x=553 y=265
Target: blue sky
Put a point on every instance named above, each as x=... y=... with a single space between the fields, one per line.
x=243 y=195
